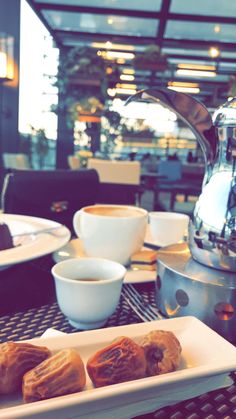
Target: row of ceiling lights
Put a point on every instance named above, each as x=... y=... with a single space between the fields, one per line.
x=183 y=69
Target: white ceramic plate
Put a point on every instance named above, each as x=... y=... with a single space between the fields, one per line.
x=31 y=246
x=74 y=249
x=207 y=359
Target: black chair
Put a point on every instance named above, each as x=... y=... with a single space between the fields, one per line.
x=51 y=194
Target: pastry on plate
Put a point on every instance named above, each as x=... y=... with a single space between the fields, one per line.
x=162 y=351
x=122 y=360
x=62 y=373
x=15 y=360
x=145 y=259
x=6 y=241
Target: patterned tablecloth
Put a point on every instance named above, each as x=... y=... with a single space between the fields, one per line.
x=34 y=317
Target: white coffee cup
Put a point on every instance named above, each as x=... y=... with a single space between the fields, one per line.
x=111 y=231
x=168 y=227
x=88 y=290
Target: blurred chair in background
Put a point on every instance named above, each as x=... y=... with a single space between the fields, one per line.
x=73 y=162
x=16 y=161
x=169 y=170
x=51 y=194
x=119 y=181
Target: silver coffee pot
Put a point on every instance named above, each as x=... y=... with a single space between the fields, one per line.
x=212 y=232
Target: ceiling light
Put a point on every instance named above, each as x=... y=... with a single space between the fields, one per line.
x=109 y=70
x=217 y=28
x=182 y=84
x=122 y=91
x=111 y=55
x=120 y=61
x=184 y=89
x=110 y=45
x=214 y=52
x=111 y=92
x=128 y=71
x=198 y=73
x=204 y=67
x=110 y=20
x=127 y=77
x=126 y=86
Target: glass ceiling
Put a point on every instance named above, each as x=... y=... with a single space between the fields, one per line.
x=109 y=24
x=184 y=30
x=204 y=7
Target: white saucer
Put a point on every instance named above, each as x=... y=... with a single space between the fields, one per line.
x=74 y=249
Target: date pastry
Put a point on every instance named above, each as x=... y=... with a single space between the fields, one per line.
x=6 y=241
x=162 y=351
x=15 y=360
x=122 y=360
x=62 y=373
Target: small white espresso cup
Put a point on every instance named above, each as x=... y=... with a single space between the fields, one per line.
x=111 y=231
x=88 y=290
x=168 y=227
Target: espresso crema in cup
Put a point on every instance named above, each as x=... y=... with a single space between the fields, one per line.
x=113 y=211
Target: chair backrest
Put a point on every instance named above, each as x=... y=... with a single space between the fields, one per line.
x=170 y=169
x=119 y=181
x=73 y=162
x=16 y=161
x=119 y=172
x=51 y=194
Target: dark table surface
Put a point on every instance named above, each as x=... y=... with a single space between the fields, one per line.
x=28 y=308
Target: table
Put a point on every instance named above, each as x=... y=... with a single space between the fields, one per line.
x=32 y=321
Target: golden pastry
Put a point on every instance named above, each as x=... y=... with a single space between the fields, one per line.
x=62 y=373
x=162 y=351
x=15 y=360
x=122 y=360
x=144 y=259
x=6 y=241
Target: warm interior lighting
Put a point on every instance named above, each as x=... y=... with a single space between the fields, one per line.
x=3 y=65
x=128 y=71
x=110 y=20
x=113 y=55
x=197 y=67
x=198 y=73
x=111 y=92
x=110 y=45
x=6 y=57
x=123 y=91
x=182 y=84
x=120 y=61
x=126 y=86
x=214 y=52
x=127 y=77
x=217 y=28
x=184 y=89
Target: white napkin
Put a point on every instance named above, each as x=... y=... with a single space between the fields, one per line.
x=52 y=332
